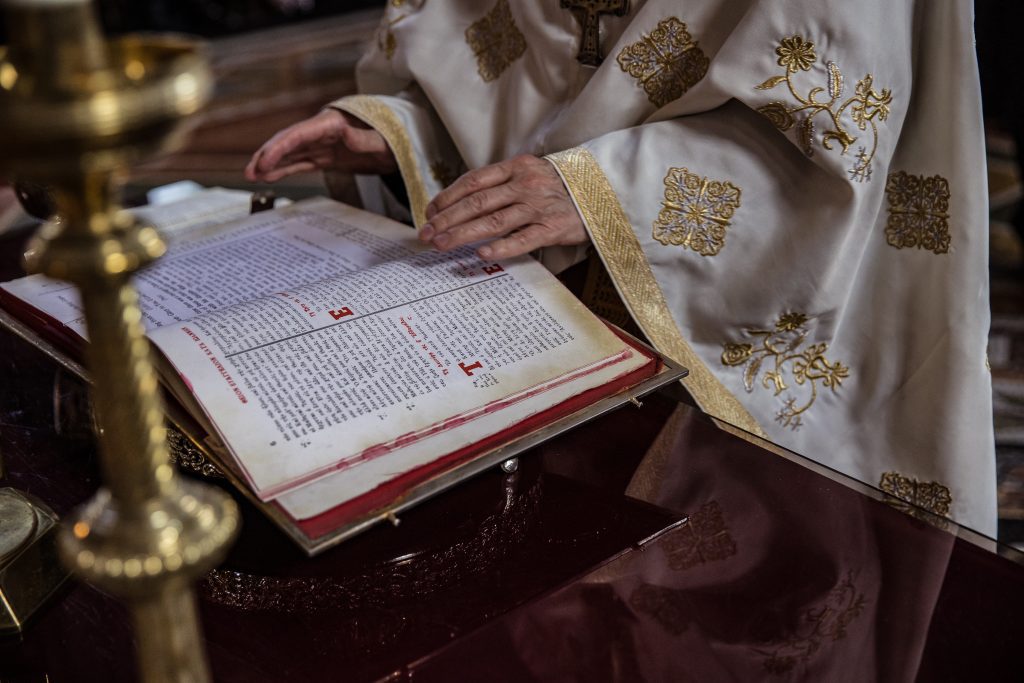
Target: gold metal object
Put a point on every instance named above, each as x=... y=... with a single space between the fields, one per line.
x=29 y=570
x=76 y=111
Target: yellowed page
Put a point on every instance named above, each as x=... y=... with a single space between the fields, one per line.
x=180 y=223
x=350 y=483
x=406 y=343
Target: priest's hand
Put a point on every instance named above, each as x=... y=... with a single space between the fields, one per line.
x=331 y=140
x=521 y=204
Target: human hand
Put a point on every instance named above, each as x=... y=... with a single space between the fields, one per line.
x=521 y=204
x=331 y=140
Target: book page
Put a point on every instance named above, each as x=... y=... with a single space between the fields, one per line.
x=401 y=343
x=347 y=484
x=189 y=217
x=198 y=216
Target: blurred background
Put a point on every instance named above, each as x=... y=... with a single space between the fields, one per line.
x=1000 y=53
x=278 y=61
x=275 y=62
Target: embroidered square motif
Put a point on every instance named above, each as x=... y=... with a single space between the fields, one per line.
x=667 y=62
x=496 y=41
x=918 y=212
x=784 y=353
x=928 y=495
x=695 y=212
x=705 y=539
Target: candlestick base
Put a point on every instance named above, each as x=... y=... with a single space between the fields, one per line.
x=30 y=571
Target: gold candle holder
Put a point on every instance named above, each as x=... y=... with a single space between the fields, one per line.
x=75 y=112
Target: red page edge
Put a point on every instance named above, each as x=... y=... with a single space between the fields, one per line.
x=376 y=501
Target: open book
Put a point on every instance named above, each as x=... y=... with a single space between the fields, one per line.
x=332 y=362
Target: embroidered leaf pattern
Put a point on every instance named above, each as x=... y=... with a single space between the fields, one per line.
x=778 y=114
x=817 y=626
x=783 y=353
x=387 y=41
x=835 y=81
x=806 y=132
x=865 y=108
x=771 y=83
x=750 y=374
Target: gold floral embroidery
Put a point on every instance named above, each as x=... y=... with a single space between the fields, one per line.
x=387 y=42
x=918 y=212
x=496 y=41
x=667 y=606
x=695 y=212
x=865 y=107
x=705 y=538
x=622 y=253
x=817 y=626
x=667 y=62
x=913 y=495
x=808 y=366
x=796 y=53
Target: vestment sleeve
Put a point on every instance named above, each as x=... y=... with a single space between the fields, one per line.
x=788 y=196
x=427 y=158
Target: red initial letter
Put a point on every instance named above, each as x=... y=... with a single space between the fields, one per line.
x=341 y=313
x=468 y=369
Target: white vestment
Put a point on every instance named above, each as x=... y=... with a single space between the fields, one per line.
x=789 y=197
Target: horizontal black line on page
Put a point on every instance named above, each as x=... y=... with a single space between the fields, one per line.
x=365 y=315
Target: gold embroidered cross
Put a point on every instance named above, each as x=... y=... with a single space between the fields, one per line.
x=588 y=13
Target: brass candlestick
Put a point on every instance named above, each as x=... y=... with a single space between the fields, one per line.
x=75 y=112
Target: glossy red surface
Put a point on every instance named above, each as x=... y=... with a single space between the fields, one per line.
x=369 y=607
x=782 y=573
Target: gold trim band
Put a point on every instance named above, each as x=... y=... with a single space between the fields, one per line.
x=384 y=120
x=613 y=235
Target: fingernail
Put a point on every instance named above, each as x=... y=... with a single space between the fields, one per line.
x=442 y=240
x=426 y=232
x=485 y=252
